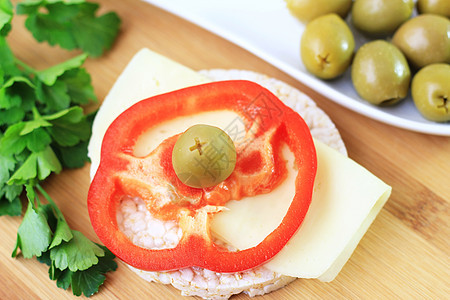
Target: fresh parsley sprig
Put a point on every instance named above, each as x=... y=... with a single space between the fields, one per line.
x=71 y=24
x=43 y=129
x=74 y=261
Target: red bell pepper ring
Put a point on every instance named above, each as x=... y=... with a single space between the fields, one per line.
x=262 y=112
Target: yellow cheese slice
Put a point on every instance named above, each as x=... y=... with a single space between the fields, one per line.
x=345 y=201
x=346 y=196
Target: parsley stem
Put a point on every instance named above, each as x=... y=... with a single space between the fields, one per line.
x=50 y=200
x=36 y=113
x=24 y=66
x=33 y=199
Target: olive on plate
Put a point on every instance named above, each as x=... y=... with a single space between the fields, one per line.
x=380 y=17
x=380 y=73
x=438 y=7
x=424 y=40
x=430 y=90
x=203 y=156
x=327 y=46
x=307 y=10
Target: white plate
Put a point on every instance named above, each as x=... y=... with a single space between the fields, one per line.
x=268 y=30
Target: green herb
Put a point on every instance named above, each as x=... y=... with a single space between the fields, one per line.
x=43 y=129
x=70 y=24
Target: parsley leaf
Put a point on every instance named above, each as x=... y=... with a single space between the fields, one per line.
x=6 y=14
x=82 y=282
x=63 y=278
x=62 y=233
x=70 y=128
x=49 y=76
x=71 y=25
x=11 y=207
x=34 y=234
x=72 y=157
x=6 y=164
x=87 y=281
x=64 y=84
x=55 y=97
x=77 y=254
x=18 y=92
x=79 y=86
x=73 y=260
x=11 y=116
x=104 y=28
x=9 y=194
x=38 y=165
x=7 y=63
x=12 y=142
x=38 y=140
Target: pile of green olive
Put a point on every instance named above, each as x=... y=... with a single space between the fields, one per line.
x=405 y=52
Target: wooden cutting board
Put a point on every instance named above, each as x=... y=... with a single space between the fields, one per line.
x=405 y=253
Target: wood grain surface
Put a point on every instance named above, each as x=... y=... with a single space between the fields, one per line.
x=405 y=253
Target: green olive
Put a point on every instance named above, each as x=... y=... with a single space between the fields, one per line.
x=438 y=7
x=307 y=10
x=327 y=46
x=380 y=17
x=424 y=40
x=380 y=73
x=430 y=90
x=203 y=156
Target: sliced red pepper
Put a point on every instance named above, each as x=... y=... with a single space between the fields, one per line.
x=270 y=122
